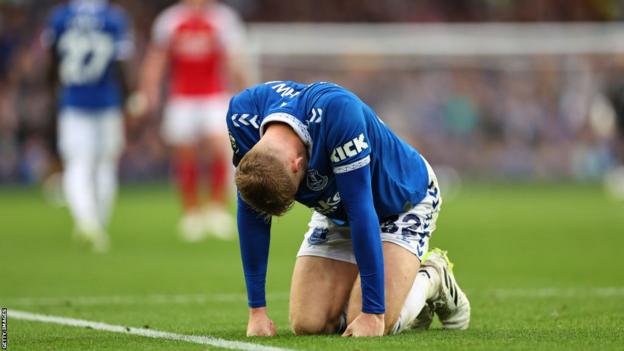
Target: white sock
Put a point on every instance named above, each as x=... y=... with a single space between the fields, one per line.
x=110 y=131
x=433 y=280
x=422 y=290
x=78 y=179
x=106 y=189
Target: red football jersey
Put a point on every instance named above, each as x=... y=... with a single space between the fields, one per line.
x=199 y=44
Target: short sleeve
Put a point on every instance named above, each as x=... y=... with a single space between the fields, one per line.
x=163 y=27
x=232 y=31
x=346 y=134
x=52 y=29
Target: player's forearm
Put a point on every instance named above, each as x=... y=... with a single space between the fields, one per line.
x=154 y=65
x=240 y=73
x=254 y=238
x=356 y=194
x=257 y=312
x=369 y=257
x=152 y=74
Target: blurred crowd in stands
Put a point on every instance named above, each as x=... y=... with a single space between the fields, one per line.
x=432 y=10
x=523 y=117
x=545 y=117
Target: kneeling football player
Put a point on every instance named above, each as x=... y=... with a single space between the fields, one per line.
x=364 y=268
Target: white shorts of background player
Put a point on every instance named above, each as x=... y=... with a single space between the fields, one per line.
x=189 y=119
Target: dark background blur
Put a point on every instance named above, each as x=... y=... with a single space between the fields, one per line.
x=521 y=117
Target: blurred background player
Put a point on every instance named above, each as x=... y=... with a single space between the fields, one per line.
x=88 y=40
x=200 y=42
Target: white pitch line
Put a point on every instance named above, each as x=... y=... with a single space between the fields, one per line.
x=149 y=333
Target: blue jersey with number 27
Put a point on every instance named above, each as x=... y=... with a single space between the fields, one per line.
x=88 y=37
x=358 y=172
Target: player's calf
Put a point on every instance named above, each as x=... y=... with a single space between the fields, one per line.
x=400 y=268
x=319 y=291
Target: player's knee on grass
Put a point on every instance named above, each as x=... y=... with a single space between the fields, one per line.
x=312 y=325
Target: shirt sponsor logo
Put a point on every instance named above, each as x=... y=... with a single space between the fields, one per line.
x=349 y=149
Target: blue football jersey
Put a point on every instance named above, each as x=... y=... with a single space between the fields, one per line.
x=88 y=36
x=342 y=134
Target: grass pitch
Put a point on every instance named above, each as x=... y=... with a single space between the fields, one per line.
x=541 y=264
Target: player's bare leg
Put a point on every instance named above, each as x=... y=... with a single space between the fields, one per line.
x=400 y=268
x=434 y=289
x=319 y=291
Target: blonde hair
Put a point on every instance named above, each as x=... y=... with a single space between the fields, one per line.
x=264 y=183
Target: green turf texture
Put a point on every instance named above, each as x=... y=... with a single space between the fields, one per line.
x=518 y=238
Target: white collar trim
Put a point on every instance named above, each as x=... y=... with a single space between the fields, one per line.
x=300 y=129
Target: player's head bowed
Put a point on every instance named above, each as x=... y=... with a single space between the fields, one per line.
x=269 y=175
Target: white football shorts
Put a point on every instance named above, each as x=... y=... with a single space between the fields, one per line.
x=90 y=135
x=187 y=120
x=410 y=230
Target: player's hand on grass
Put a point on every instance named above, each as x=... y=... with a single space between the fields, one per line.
x=366 y=324
x=259 y=323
